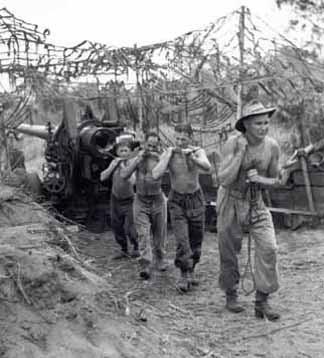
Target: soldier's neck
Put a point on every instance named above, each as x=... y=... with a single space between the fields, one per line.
x=254 y=141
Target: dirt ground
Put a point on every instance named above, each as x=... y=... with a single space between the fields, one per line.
x=62 y=295
x=196 y=324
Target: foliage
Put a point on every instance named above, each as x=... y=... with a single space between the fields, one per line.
x=308 y=18
x=314 y=6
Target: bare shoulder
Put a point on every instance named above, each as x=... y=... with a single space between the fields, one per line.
x=233 y=138
x=272 y=145
x=230 y=144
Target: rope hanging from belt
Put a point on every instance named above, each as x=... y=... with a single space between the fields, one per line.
x=248 y=269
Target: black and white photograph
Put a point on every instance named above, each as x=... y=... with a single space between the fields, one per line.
x=162 y=179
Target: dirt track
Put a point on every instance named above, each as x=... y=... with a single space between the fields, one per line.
x=196 y=324
x=64 y=296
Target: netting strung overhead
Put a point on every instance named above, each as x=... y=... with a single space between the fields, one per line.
x=196 y=73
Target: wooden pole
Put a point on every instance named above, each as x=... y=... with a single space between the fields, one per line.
x=308 y=185
x=4 y=148
x=139 y=129
x=115 y=90
x=241 y=70
x=186 y=107
x=304 y=166
x=158 y=122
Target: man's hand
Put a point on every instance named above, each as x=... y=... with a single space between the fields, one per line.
x=253 y=176
x=190 y=150
x=116 y=161
x=113 y=165
x=194 y=155
x=141 y=154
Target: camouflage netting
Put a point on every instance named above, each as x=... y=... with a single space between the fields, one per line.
x=194 y=77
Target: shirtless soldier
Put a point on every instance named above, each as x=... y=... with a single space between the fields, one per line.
x=250 y=162
x=186 y=201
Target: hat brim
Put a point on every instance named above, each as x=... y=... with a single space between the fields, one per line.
x=239 y=125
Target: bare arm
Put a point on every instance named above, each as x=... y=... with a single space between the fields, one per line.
x=162 y=165
x=107 y=172
x=132 y=178
x=127 y=171
x=276 y=177
x=273 y=171
x=199 y=157
x=233 y=155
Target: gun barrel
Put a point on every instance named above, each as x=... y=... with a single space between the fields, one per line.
x=35 y=130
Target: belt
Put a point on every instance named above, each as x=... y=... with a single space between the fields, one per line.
x=130 y=198
x=186 y=195
x=237 y=194
x=149 y=197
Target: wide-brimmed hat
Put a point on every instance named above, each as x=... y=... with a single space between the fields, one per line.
x=251 y=110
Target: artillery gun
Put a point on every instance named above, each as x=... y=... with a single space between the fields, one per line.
x=77 y=150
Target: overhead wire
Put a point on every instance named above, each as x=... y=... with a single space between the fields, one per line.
x=90 y=58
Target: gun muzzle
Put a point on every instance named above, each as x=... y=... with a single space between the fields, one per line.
x=96 y=139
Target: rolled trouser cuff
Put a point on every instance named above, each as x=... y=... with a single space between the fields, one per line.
x=184 y=265
x=228 y=279
x=261 y=296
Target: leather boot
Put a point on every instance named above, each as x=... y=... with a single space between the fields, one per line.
x=232 y=303
x=122 y=254
x=183 y=283
x=263 y=309
x=145 y=269
x=135 y=253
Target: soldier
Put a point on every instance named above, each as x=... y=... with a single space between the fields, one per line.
x=150 y=210
x=186 y=201
x=121 y=201
x=250 y=162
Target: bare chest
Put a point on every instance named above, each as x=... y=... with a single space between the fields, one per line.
x=181 y=164
x=258 y=157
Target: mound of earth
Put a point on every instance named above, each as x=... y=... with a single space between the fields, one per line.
x=49 y=295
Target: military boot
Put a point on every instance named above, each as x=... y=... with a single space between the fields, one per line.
x=161 y=265
x=144 y=269
x=232 y=303
x=183 y=283
x=122 y=254
x=263 y=309
x=135 y=252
